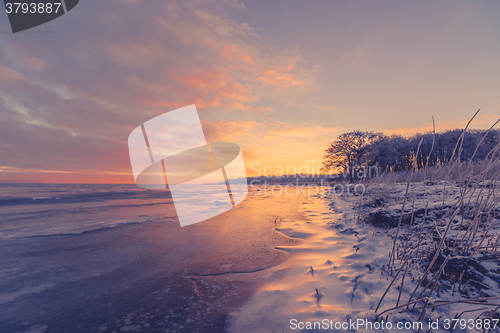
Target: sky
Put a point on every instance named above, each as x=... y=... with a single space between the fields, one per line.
x=281 y=79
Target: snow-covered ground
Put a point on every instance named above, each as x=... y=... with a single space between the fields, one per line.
x=338 y=274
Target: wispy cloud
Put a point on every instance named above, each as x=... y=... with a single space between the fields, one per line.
x=69 y=107
x=282 y=86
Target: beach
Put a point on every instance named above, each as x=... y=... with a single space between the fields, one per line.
x=329 y=276
x=278 y=262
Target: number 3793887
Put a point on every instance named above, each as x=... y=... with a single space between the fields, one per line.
x=32 y=8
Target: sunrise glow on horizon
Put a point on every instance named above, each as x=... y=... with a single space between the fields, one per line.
x=280 y=79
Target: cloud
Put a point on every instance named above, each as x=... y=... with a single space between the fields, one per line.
x=69 y=101
x=7 y=74
x=305 y=132
x=34 y=62
x=273 y=142
x=280 y=78
x=234 y=52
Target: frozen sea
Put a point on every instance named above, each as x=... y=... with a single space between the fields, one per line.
x=111 y=258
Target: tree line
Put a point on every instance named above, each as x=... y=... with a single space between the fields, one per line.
x=397 y=153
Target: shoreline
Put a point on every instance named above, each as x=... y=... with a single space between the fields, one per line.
x=143 y=277
x=340 y=272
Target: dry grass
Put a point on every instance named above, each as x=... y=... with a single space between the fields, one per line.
x=451 y=172
x=463 y=230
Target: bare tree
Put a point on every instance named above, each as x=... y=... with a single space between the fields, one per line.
x=349 y=149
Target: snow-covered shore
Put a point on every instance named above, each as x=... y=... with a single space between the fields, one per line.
x=340 y=271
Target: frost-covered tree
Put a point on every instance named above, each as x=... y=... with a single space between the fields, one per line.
x=349 y=149
x=396 y=153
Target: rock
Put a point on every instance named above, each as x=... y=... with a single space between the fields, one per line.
x=381 y=218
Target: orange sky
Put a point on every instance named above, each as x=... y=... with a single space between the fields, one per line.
x=281 y=79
